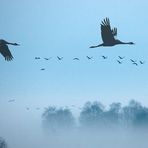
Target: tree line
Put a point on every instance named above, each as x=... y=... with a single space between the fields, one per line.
x=95 y=115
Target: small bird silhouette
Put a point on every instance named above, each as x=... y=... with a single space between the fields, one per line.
x=47 y=58
x=121 y=57
x=135 y=63
x=89 y=58
x=108 y=35
x=27 y=108
x=4 y=50
x=37 y=58
x=142 y=62
x=104 y=57
x=133 y=60
x=73 y=105
x=59 y=58
x=119 y=62
x=42 y=69
x=76 y=59
x=11 y=100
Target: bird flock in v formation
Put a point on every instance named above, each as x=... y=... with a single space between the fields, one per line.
x=108 y=37
x=119 y=60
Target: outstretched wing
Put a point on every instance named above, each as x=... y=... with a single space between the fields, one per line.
x=4 y=50
x=106 y=32
x=114 y=31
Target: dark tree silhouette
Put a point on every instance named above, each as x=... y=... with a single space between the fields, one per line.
x=55 y=119
x=108 y=35
x=132 y=115
x=4 y=50
x=112 y=116
x=135 y=114
x=91 y=114
x=3 y=143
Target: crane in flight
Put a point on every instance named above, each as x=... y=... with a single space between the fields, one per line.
x=4 y=49
x=142 y=62
x=59 y=58
x=76 y=59
x=89 y=58
x=121 y=58
x=119 y=62
x=104 y=57
x=108 y=35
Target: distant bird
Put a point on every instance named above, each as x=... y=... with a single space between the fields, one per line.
x=121 y=57
x=42 y=69
x=108 y=35
x=89 y=58
x=37 y=58
x=76 y=59
x=119 y=62
x=141 y=62
x=47 y=58
x=73 y=105
x=135 y=63
x=27 y=108
x=104 y=57
x=11 y=100
x=59 y=58
x=4 y=50
x=133 y=60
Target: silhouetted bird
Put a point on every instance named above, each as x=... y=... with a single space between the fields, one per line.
x=59 y=58
x=121 y=57
x=73 y=105
x=89 y=58
x=141 y=62
x=47 y=58
x=104 y=57
x=133 y=60
x=4 y=50
x=37 y=58
x=76 y=59
x=11 y=100
x=42 y=69
x=135 y=63
x=27 y=108
x=108 y=35
x=119 y=62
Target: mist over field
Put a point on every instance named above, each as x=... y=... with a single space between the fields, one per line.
x=95 y=127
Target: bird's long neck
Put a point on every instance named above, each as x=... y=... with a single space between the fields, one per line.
x=15 y=44
x=97 y=46
x=10 y=43
x=126 y=43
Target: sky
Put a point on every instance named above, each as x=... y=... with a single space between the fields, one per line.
x=67 y=28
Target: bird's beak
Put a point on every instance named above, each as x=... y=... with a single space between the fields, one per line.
x=17 y=44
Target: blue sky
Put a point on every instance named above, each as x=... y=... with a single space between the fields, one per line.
x=50 y=28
